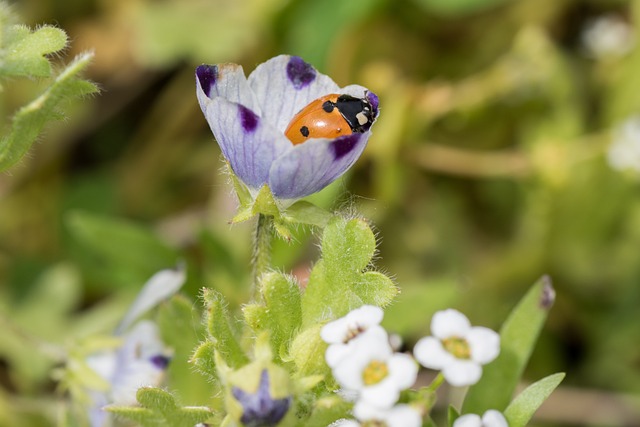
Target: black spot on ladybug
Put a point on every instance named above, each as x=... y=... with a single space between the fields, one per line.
x=328 y=106
x=304 y=131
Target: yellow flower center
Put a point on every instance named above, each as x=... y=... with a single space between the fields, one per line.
x=375 y=372
x=457 y=346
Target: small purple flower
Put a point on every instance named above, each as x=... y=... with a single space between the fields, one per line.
x=259 y=408
x=248 y=117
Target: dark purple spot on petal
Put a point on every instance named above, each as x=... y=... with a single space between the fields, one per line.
x=207 y=76
x=343 y=145
x=160 y=361
x=299 y=72
x=248 y=119
x=259 y=408
x=374 y=101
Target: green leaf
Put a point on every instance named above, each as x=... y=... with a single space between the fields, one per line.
x=220 y=330
x=340 y=282
x=30 y=119
x=204 y=359
x=118 y=251
x=303 y=212
x=518 y=336
x=452 y=415
x=522 y=408
x=283 y=312
x=161 y=409
x=181 y=329
x=24 y=51
x=458 y=7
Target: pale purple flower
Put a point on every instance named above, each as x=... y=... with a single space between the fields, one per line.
x=456 y=348
x=248 y=117
x=260 y=409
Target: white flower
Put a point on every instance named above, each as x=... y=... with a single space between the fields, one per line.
x=142 y=358
x=397 y=416
x=141 y=361
x=624 y=152
x=491 y=418
x=608 y=36
x=456 y=348
x=375 y=371
x=341 y=333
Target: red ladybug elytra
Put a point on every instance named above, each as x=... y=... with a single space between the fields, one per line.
x=330 y=116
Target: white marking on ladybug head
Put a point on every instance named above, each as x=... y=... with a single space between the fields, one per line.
x=362 y=118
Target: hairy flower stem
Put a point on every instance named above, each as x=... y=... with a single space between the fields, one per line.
x=262 y=248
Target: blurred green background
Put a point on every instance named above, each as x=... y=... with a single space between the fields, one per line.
x=487 y=169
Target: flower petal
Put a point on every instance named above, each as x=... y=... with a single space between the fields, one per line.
x=284 y=85
x=336 y=352
x=311 y=166
x=403 y=370
x=461 y=373
x=468 y=420
x=484 y=343
x=247 y=141
x=159 y=287
x=493 y=418
x=430 y=353
x=382 y=395
x=403 y=416
x=449 y=323
x=226 y=81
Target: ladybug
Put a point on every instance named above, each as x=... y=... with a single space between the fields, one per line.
x=331 y=116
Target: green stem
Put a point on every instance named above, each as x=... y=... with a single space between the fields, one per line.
x=436 y=383
x=262 y=248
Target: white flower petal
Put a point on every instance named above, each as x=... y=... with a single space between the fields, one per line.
x=493 y=418
x=449 y=323
x=403 y=416
x=430 y=353
x=365 y=316
x=382 y=395
x=225 y=81
x=468 y=420
x=403 y=369
x=462 y=373
x=336 y=352
x=335 y=332
x=284 y=85
x=484 y=344
x=159 y=287
x=345 y=423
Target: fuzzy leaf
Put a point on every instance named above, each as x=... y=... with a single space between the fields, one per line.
x=161 y=409
x=204 y=359
x=24 y=51
x=339 y=282
x=518 y=336
x=522 y=408
x=303 y=212
x=220 y=330
x=30 y=119
x=282 y=315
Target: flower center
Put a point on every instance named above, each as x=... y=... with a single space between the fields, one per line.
x=374 y=423
x=375 y=372
x=457 y=346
